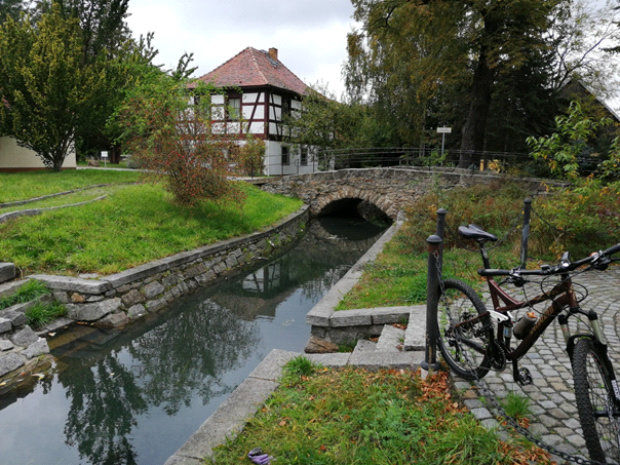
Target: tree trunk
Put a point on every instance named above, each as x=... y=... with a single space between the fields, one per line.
x=474 y=130
x=472 y=139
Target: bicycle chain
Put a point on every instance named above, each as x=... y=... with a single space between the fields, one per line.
x=488 y=395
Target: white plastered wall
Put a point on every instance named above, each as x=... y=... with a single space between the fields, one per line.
x=273 y=160
x=12 y=156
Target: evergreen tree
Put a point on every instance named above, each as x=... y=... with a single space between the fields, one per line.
x=44 y=84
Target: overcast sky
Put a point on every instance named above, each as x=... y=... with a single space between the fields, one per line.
x=310 y=35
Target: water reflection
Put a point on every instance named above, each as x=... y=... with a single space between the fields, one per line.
x=134 y=397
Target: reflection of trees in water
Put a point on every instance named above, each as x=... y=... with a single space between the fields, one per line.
x=183 y=358
x=172 y=364
x=314 y=265
x=104 y=401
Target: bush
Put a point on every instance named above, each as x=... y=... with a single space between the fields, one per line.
x=579 y=219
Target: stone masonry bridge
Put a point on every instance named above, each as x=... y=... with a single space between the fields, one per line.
x=387 y=189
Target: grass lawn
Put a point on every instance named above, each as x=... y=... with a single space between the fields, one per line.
x=22 y=186
x=133 y=225
x=398 y=276
x=352 y=416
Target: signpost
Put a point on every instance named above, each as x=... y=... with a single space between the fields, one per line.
x=443 y=131
x=104 y=155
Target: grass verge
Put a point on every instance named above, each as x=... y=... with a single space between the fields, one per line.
x=134 y=225
x=23 y=186
x=354 y=416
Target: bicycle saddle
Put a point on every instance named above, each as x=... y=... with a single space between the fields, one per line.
x=476 y=232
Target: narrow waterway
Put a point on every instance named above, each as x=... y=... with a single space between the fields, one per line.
x=134 y=397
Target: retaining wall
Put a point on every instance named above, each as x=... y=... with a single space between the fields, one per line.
x=116 y=299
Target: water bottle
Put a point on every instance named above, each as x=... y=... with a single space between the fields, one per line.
x=524 y=325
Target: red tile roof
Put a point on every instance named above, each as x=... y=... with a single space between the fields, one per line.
x=252 y=67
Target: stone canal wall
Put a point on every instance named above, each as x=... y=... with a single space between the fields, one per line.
x=115 y=300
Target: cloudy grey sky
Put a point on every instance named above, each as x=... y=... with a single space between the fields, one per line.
x=310 y=35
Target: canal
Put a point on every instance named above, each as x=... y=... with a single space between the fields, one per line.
x=134 y=397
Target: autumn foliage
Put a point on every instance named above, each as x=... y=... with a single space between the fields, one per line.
x=167 y=128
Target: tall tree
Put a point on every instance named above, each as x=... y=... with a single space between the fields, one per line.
x=402 y=60
x=106 y=43
x=426 y=46
x=44 y=85
x=11 y=9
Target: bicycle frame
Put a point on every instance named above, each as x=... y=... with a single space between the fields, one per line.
x=562 y=296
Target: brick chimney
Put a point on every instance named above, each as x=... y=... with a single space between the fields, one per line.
x=273 y=53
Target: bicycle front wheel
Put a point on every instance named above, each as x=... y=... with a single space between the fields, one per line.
x=464 y=339
x=595 y=402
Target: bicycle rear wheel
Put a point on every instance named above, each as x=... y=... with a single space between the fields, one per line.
x=594 y=394
x=464 y=340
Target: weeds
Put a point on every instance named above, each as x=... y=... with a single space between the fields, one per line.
x=42 y=313
x=27 y=292
x=516 y=406
x=357 y=417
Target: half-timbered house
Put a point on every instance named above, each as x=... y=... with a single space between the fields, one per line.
x=259 y=92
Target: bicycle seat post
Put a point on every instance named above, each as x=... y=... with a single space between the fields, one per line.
x=483 y=253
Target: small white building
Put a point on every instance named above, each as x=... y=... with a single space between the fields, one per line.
x=259 y=91
x=13 y=157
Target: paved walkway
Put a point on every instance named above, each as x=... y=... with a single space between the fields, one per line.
x=552 y=401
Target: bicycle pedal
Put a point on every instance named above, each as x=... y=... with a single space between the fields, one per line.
x=524 y=378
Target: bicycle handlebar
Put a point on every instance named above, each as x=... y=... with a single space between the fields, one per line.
x=598 y=260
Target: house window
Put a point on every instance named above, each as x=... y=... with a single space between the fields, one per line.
x=234 y=108
x=304 y=156
x=286 y=107
x=286 y=159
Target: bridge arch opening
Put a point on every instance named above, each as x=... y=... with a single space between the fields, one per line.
x=356 y=208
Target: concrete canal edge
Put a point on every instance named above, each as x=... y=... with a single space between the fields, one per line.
x=230 y=417
x=345 y=326
x=118 y=299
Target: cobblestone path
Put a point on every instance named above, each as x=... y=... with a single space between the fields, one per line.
x=554 y=417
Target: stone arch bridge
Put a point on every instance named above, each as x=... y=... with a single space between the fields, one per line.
x=388 y=189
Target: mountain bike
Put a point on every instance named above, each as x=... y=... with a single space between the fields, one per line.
x=474 y=339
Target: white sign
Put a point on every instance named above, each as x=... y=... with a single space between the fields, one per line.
x=104 y=154
x=444 y=130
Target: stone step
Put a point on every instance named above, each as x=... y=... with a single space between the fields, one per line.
x=391 y=339
x=415 y=335
x=364 y=345
x=7 y=272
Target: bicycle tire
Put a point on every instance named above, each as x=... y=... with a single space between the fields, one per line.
x=465 y=350
x=595 y=402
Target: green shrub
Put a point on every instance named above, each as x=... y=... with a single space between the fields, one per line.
x=580 y=219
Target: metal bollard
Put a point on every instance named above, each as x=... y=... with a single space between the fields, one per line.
x=525 y=232
x=441 y=227
x=432 y=300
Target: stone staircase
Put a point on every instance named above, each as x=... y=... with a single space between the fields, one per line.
x=395 y=348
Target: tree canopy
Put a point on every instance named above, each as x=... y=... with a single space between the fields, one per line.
x=490 y=70
x=44 y=83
